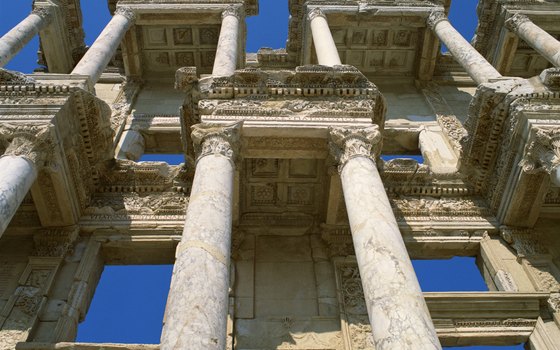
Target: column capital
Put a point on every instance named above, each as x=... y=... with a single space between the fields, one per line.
x=232 y=10
x=215 y=139
x=32 y=142
x=435 y=17
x=45 y=12
x=542 y=152
x=316 y=12
x=126 y=12
x=515 y=21
x=348 y=142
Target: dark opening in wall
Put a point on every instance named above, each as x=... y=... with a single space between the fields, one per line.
x=128 y=305
x=171 y=159
x=458 y=274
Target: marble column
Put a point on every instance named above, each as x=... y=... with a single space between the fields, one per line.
x=396 y=307
x=325 y=48
x=227 y=50
x=555 y=176
x=537 y=38
x=478 y=68
x=16 y=39
x=28 y=147
x=197 y=307
x=131 y=145
x=100 y=53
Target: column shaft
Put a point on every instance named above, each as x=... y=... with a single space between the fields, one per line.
x=16 y=39
x=100 y=53
x=478 y=68
x=537 y=38
x=197 y=307
x=325 y=48
x=396 y=307
x=226 y=52
x=17 y=174
x=555 y=176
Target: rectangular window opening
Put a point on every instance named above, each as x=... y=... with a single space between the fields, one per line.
x=128 y=305
x=416 y=157
x=171 y=159
x=458 y=274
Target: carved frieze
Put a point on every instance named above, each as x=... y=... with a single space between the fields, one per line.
x=55 y=242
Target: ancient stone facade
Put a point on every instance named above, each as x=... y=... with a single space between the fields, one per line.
x=286 y=227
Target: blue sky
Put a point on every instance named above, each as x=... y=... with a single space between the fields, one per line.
x=129 y=301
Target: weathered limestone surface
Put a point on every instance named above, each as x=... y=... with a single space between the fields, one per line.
x=100 y=53
x=226 y=52
x=131 y=145
x=17 y=174
x=325 y=47
x=397 y=311
x=13 y=41
x=537 y=38
x=473 y=62
x=197 y=306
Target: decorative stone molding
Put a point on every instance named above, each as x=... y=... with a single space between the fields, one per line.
x=435 y=17
x=216 y=139
x=542 y=152
x=8 y=77
x=523 y=241
x=32 y=142
x=127 y=12
x=45 y=12
x=316 y=12
x=515 y=21
x=349 y=142
x=554 y=302
x=185 y=77
x=551 y=77
x=232 y=10
x=55 y=242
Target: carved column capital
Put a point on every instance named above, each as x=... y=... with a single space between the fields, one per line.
x=316 y=12
x=45 y=12
x=515 y=21
x=33 y=142
x=435 y=17
x=127 y=12
x=349 y=142
x=211 y=139
x=232 y=11
x=542 y=152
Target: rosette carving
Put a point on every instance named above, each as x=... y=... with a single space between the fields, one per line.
x=349 y=142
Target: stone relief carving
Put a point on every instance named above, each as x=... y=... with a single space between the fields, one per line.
x=211 y=139
x=55 y=242
x=523 y=241
x=126 y=12
x=435 y=17
x=346 y=143
x=45 y=12
x=542 y=153
x=515 y=21
x=314 y=13
x=8 y=77
x=232 y=10
x=137 y=204
x=122 y=106
x=31 y=141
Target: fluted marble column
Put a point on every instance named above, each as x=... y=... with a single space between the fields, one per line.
x=226 y=52
x=16 y=39
x=537 y=38
x=197 y=307
x=18 y=166
x=325 y=48
x=478 y=68
x=397 y=311
x=100 y=53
